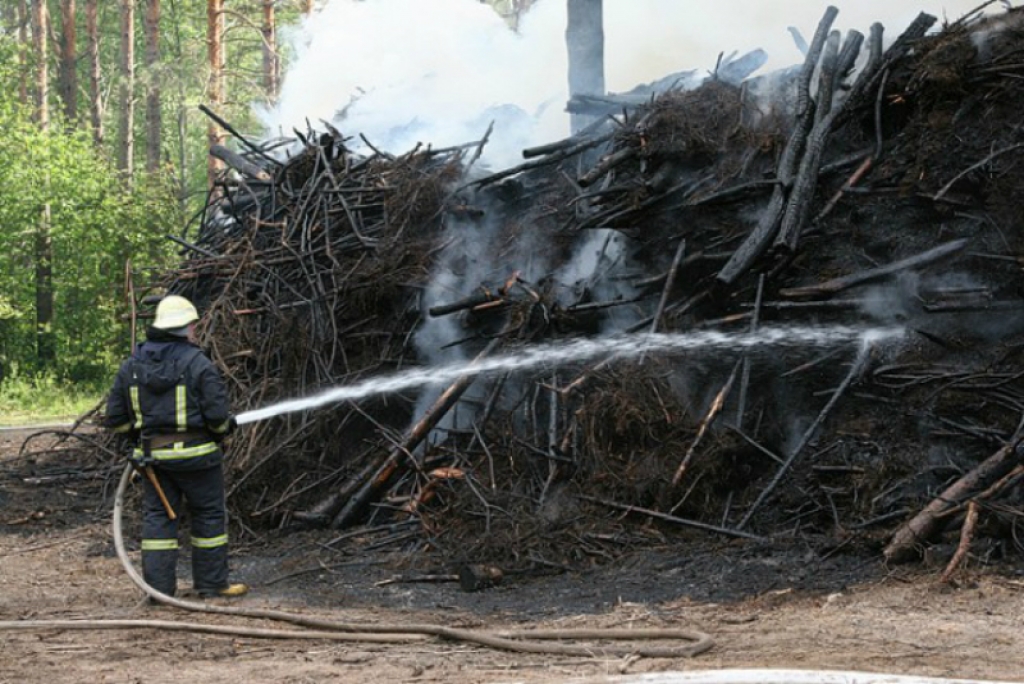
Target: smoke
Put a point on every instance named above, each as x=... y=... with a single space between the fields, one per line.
x=405 y=72
x=408 y=71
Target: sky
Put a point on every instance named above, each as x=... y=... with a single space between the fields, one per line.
x=438 y=71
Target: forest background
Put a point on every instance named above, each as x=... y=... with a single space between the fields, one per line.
x=104 y=153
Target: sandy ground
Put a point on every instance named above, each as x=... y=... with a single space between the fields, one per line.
x=56 y=562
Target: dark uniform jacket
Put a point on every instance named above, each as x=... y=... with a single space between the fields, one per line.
x=169 y=388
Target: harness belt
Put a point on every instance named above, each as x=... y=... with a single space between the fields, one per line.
x=161 y=441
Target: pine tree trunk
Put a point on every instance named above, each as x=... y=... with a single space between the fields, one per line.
x=154 y=121
x=43 y=243
x=23 y=22
x=181 y=137
x=68 y=60
x=12 y=27
x=92 y=33
x=215 y=91
x=306 y=6
x=126 y=98
x=270 y=61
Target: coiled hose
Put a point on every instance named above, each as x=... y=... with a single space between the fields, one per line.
x=525 y=641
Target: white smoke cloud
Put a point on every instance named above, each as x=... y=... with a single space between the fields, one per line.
x=437 y=72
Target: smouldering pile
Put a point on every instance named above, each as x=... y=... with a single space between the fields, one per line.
x=876 y=196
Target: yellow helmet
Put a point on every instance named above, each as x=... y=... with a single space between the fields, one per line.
x=173 y=312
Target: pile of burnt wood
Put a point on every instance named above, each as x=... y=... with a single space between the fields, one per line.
x=866 y=189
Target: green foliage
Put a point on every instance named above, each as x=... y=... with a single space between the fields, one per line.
x=43 y=398
x=55 y=184
x=95 y=220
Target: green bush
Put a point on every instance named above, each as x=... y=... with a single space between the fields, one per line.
x=56 y=186
x=42 y=398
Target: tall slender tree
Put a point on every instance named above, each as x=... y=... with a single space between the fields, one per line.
x=215 y=91
x=271 y=63
x=154 y=118
x=178 y=100
x=92 y=36
x=13 y=17
x=45 y=348
x=126 y=99
x=23 y=50
x=68 y=61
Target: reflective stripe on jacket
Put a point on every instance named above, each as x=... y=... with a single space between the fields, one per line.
x=169 y=386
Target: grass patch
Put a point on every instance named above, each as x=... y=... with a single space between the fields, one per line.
x=44 y=400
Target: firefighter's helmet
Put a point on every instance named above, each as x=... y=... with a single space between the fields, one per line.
x=173 y=312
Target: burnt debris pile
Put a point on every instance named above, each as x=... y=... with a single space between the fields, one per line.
x=867 y=198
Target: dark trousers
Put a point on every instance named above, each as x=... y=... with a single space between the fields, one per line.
x=203 y=493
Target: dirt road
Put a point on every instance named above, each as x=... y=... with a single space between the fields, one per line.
x=793 y=611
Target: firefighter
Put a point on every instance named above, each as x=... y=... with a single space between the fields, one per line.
x=170 y=398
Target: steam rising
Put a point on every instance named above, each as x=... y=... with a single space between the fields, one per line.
x=438 y=72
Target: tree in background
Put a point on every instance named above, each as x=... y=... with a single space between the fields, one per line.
x=154 y=115
x=126 y=90
x=215 y=92
x=73 y=208
x=271 y=58
x=91 y=226
x=43 y=253
x=68 y=61
x=21 y=18
x=92 y=32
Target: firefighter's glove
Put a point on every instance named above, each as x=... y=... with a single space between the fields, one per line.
x=230 y=425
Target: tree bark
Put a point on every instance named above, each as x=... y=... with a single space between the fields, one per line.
x=126 y=115
x=181 y=137
x=907 y=540
x=799 y=203
x=23 y=44
x=40 y=26
x=92 y=34
x=215 y=88
x=68 y=62
x=306 y=6
x=270 y=57
x=836 y=285
x=768 y=225
x=584 y=38
x=9 y=19
x=863 y=91
x=154 y=120
x=14 y=18
x=43 y=243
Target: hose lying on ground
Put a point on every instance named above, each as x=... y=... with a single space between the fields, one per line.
x=768 y=676
x=524 y=641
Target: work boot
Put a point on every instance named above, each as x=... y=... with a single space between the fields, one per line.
x=231 y=591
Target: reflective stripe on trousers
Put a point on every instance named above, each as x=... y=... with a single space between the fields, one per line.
x=209 y=542
x=202 y=492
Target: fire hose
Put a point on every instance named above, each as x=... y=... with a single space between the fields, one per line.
x=521 y=641
x=779 y=676
x=525 y=641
